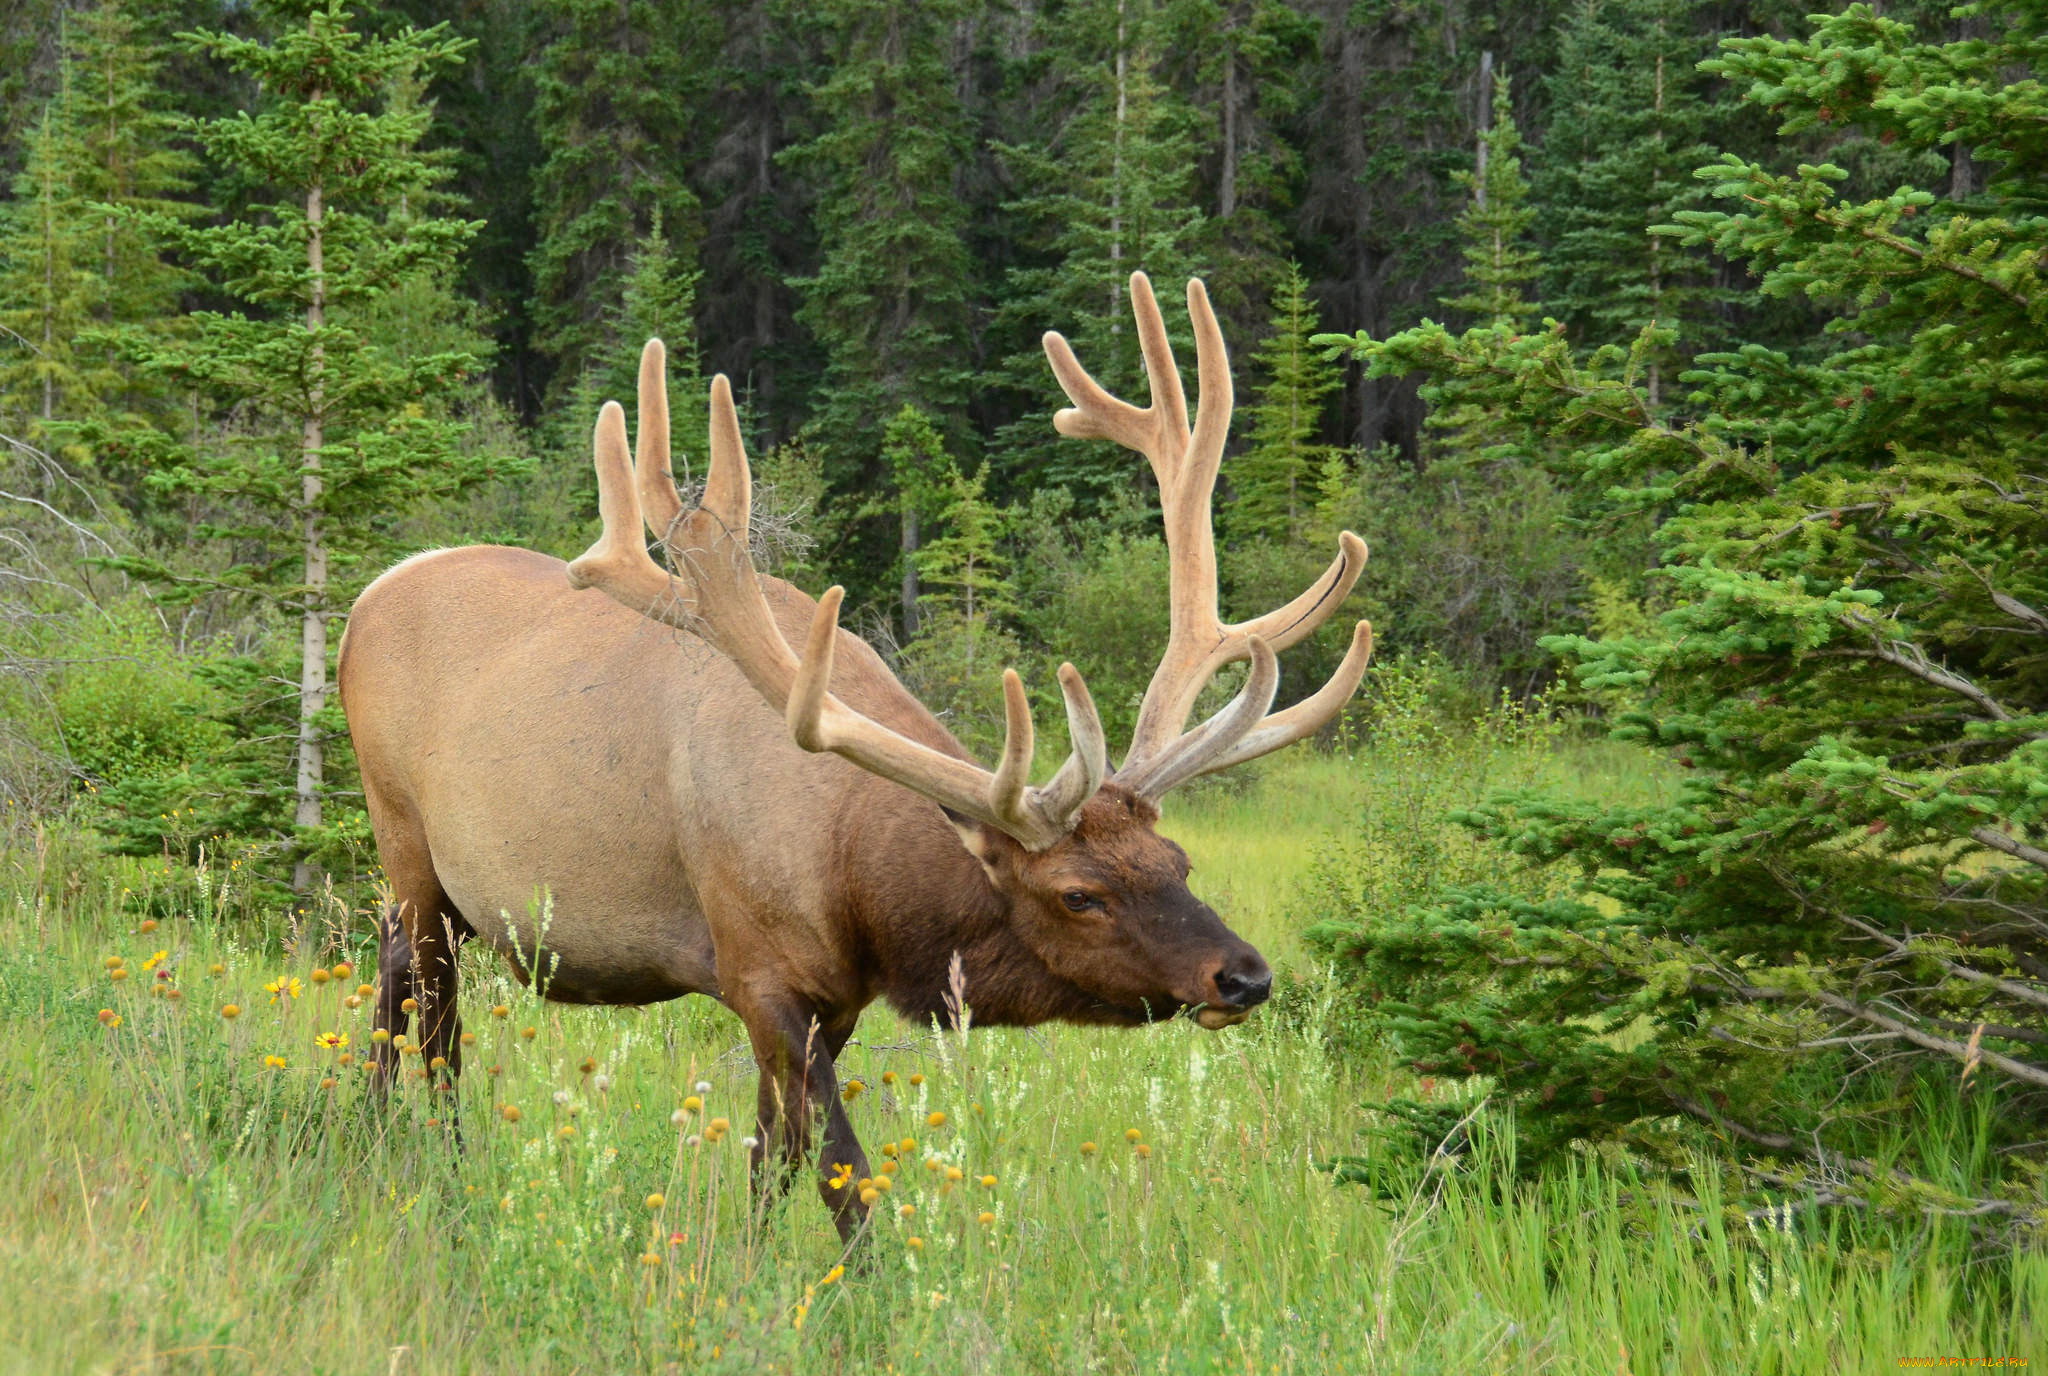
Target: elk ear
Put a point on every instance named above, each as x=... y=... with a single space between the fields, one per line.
x=983 y=842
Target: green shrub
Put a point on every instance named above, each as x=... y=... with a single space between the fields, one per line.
x=1431 y=745
x=1474 y=561
x=128 y=706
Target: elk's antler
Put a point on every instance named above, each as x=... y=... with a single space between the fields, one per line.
x=1199 y=642
x=716 y=594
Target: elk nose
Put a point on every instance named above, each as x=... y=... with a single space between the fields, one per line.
x=1244 y=984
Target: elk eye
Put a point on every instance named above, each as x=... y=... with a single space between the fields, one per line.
x=1079 y=901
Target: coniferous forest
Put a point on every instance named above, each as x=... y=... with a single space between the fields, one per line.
x=1684 y=364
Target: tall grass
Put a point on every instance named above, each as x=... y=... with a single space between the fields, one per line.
x=181 y=1202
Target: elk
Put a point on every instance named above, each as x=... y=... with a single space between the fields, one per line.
x=712 y=810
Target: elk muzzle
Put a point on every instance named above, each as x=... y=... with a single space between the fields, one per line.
x=1240 y=982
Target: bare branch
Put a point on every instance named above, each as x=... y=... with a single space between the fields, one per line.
x=2006 y=986
x=2018 y=850
x=1905 y=655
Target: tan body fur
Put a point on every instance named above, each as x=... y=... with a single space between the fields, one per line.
x=551 y=740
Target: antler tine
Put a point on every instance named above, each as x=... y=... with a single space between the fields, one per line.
x=618 y=563
x=724 y=602
x=1306 y=717
x=660 y=504
x=1186 y=461
x=729 y=481
x=1088 y=765
x=1158 y=431
x=1190 y=755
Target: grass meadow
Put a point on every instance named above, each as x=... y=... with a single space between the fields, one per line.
x=190 y=1192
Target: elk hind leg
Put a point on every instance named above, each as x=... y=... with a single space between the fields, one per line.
x=420 y=932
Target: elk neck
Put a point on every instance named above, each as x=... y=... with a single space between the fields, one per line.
x=917 y=897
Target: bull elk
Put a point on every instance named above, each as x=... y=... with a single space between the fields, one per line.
x=792 y=833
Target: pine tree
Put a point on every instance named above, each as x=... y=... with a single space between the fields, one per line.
x=889 y=299
x=965 y=566
x=1110 y=193
x=1628 y=125
x=1839 y=915
x=336 y=434
x=1272 y=481
x=615 y=87
x=1494 y=228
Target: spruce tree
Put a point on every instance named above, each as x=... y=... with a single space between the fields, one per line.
x=1499 y=264
x=128 y=160
x=1837 y=917
x=336 y=434
x=955 y=662
x=1111 y=191
x=614 y=92
x=1273 y=481
x=1246 y=65
x=889 y=300
x=1493 y=230
x=1629 y=122
x=657 y=300
x=48 y=291
x=921 y=473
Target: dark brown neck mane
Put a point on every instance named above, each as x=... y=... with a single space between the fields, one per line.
x=919 y=897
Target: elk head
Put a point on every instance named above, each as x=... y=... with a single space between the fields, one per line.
x=1085 y=879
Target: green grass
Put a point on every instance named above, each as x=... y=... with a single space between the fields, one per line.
x=178 y=1205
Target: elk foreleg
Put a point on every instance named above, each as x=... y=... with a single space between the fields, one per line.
x=799 y=1094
